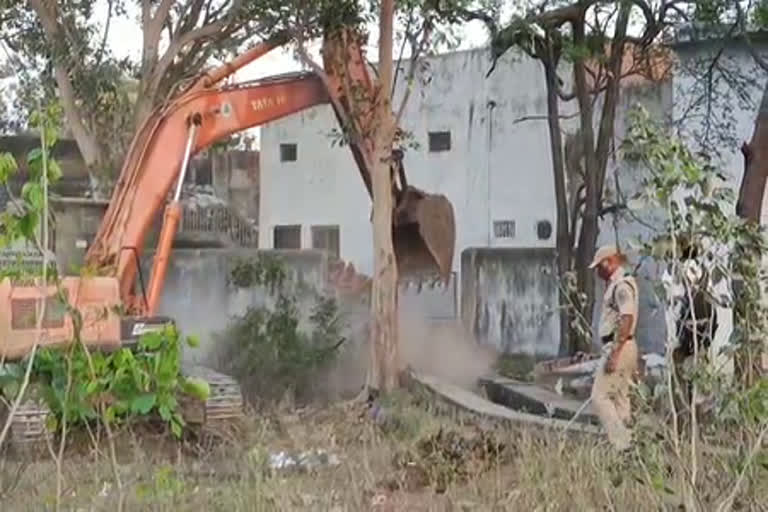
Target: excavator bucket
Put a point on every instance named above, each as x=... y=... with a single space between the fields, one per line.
x=424 y=234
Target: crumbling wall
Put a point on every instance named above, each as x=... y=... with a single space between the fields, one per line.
x=77 y=221
x=199 y=298
x=509 y=299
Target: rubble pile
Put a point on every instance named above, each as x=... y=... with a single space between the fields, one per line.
x=575 y=375
x=200 y=197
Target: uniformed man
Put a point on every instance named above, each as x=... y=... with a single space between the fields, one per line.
x=618 y=320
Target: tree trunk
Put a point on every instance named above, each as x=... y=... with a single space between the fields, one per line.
x=751 y=360
x=595 y=155
x=750 y=201
x=589 y=227
x=90 y=149
x=563 y=238
x=611 y=98
x=385 y=361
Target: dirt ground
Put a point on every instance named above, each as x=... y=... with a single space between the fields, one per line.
x=411 y=460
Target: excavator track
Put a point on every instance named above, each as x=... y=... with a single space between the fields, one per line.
x=28 y=431
x=220 y=414
x=224 y=408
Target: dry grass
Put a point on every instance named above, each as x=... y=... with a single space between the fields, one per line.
x=534 y=472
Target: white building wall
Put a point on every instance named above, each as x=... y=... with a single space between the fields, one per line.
x=498 y=167
x=322 y=187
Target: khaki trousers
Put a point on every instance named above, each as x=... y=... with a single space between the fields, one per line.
x=610 y=394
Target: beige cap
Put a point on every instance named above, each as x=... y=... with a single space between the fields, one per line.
x=602 y=253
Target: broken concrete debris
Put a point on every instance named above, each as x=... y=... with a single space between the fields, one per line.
x=562 y=386
x=307 y=460
x=201 y=196
x=575 y=375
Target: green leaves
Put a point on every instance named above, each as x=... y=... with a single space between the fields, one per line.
x=144 y=403
x=696 y=213
x=8 y=167
x=122 y=385
x=193 y=341
x=27 y=211
x=269 y=351
x=32 y=194
x=35 y=165
x=688 y=189
x=760 y=14
x=152 y=341
x=259 y=271
x=196 y=387
x=710 y=11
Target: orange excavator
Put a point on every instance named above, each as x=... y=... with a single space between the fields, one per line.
x=116 y=309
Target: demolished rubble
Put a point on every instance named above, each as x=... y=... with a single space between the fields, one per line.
x=201 y=196
x=575 y=375
x=561 y=387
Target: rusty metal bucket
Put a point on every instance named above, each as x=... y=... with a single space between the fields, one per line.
x=424 y=234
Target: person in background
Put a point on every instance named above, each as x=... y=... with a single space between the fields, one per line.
x=618 y=321
x=696 y=324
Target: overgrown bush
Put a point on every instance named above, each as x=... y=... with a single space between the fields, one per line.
x=267 y=348
x=696 y=208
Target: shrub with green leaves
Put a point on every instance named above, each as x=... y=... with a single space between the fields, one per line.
x=696 y=205
x=84 y=385
x=268 y=349
x=693 y=204
x=22 y=220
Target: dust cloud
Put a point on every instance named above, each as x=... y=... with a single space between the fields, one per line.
x=441 y=348
x=444 y=349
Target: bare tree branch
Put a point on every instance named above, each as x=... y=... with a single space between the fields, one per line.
x=85 y=140
x=543 y=118
x=155 y=27
x=416 y=51
x=102 y=47
x=741 y=19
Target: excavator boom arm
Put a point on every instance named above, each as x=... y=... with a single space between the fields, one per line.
x=423 y=224
x=150 y=172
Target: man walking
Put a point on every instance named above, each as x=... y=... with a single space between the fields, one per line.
x=618 y=320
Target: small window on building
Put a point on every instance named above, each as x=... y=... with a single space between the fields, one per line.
x=504 y=229
x=288 y=152
x=439 y=141
x=287 y=237
x=544 y=229
x=326 y=238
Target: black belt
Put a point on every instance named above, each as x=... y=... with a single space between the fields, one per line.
x=609 y=338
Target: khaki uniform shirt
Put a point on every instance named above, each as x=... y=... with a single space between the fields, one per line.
x=620 y=298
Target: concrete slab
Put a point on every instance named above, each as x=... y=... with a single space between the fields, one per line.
x=533 y=399
x=466 y=402
x=580 y=364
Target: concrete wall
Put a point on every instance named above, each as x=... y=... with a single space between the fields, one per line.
x=77 y=221
x=197 y=294
x=509 y=299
